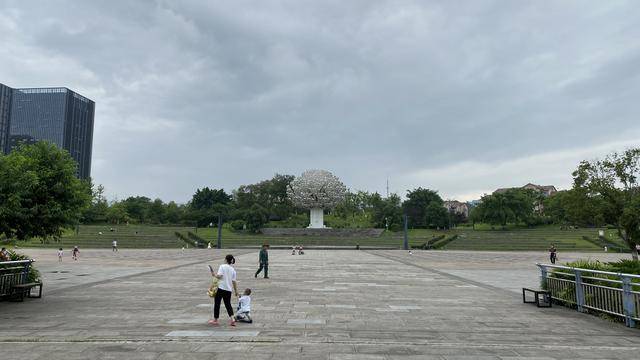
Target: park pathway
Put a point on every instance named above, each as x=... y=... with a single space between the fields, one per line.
x=322 y=305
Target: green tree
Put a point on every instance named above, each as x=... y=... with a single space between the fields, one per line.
x=117 y=213
x=387 y=212
x=96 y=212
x=208 y=199
x=206 y=205
x=39 y=192
x=255 y=217
x=157 y=212
x=137 y=208
x=415 y=207
x=576 y=207
x=614 y=179
x=174 y=213
x=270 y=194
x=511 y=206
x=436 y=215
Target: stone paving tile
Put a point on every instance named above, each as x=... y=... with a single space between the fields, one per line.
x=374 y=305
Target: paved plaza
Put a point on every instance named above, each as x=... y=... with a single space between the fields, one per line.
x=152 y=304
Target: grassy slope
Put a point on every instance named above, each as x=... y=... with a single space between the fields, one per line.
x=148 y=236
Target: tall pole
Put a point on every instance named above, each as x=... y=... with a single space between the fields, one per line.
x=220 y=231
x=406 y=230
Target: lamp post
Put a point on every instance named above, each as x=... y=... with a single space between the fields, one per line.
x=219 y=231
x=406 y=230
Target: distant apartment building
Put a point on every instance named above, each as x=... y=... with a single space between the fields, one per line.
x=457 y=207
x=545 y=190
x=57 y=115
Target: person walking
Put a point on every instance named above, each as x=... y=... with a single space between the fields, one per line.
x=553 y=254
x=227 y=276
x=263 y=261
x=114 y=246
x=75 y=253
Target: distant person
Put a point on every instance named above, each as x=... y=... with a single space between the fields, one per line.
x=60 y=254
x=227 y=276
x=244 y=307
x=75 y=253
x=300 y=250
x=553 y=254
x=263 y=261
x=4 y=255
x=293 y=249
x=209 y=245
x=114 y=246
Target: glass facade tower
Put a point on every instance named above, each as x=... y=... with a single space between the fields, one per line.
x=5 y=116
x=57 y=115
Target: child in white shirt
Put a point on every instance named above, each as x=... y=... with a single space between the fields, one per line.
x=244 y=307
x=60 y=253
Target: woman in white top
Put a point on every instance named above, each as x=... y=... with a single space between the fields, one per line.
x=227 y=275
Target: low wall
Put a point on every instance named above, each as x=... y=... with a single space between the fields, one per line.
x=322 y=232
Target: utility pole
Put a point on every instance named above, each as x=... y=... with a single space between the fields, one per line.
x=387 y=188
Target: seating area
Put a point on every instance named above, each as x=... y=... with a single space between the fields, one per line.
x=14 y=281
x=540 y=301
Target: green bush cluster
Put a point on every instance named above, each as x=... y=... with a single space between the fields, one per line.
x=442 y=243
x=180 y=236
x=34 y=274
x=622 y=266
x=238 y=225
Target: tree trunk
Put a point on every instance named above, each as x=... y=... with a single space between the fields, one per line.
x=630 y=243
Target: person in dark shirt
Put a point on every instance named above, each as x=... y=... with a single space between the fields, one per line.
x=553 y=254
x=263 y=261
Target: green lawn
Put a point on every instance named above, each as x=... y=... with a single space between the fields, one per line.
x=511 y=239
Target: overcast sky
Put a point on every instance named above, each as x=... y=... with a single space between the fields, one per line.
x=459 y=96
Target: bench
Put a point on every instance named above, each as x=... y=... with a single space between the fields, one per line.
x=20 y=291
x=546 y=297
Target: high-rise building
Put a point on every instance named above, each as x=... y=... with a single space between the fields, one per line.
x=57 y=115
x=5 y=116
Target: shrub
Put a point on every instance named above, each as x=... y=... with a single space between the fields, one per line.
x=34 y=274
x=442 y=243
x=180 y=236
x=625 y=266
x=237 y=225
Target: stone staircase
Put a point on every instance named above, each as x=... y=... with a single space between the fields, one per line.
x=344 y=233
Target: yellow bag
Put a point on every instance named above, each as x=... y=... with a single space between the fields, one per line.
x=213 y=289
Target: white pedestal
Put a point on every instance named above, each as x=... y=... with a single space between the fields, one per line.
x=316 y=219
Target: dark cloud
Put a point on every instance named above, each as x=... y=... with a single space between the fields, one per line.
x=459 y=96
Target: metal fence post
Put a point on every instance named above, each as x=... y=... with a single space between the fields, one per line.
x=543 y=277
x=579 y=290
x=220 y=231
x=627 y=302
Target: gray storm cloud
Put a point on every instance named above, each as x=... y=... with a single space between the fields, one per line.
x=463 y=97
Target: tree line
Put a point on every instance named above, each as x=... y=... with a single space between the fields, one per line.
x=40 y=195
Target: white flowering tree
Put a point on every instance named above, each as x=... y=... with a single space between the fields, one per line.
x=316 y=190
